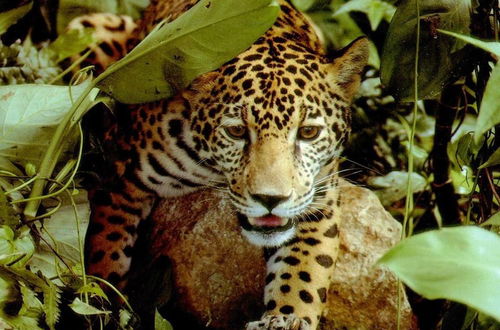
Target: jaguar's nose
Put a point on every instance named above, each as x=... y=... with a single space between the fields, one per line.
x=269 y=201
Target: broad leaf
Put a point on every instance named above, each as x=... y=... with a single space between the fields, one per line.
x=375 y=10
x=489 y=113
x=460 y=264
x=439 y=56
x=489 y=46
x=82 y=308
x=200 y=40
x=10 y=17
x=29 y=115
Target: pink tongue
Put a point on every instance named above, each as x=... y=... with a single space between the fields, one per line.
x=269 y=221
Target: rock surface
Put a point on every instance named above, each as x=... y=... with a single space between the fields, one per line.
x=219 y=277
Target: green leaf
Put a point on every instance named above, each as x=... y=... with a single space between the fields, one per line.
x=125 y=317
x=10 y=17
x=462 y=178
x=60 y=231
x=392 y=187
x=200 y=40
x=29 y=115
x=82 y=308
x=489 y=113
x=161 y=323
x=94 y=289
x=465 y=151
x=376 y=10
x=51 y=300
x=494 y=159
x=15 y=294
x=440 y=57
x=17 y=250
x=489 y=46
x=341 y=31
x=70 y=43
x=460 y=264
x=8 y=215
x=6 y=165
x=494 y=220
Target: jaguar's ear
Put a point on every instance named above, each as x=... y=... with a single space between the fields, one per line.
x=203 y=83
x=348 y=64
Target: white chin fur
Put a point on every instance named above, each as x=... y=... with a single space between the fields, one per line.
x=269 y=239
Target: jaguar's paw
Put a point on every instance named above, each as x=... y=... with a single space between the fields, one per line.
x=279 y=322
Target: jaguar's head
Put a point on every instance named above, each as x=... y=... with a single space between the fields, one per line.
x=274 y=122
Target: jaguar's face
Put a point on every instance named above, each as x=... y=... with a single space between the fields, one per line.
x=275 y=134
x=272 y=161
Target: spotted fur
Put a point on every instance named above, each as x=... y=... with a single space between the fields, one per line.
x=246 y=128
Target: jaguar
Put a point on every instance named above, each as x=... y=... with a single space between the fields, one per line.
x=267 y=127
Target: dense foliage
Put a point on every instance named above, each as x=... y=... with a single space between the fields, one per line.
x=425 y=126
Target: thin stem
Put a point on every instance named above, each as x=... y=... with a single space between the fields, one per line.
x=409 y=194
x=71 y=67
x=51 y=156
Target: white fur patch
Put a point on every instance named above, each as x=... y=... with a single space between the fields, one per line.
x=272 y=239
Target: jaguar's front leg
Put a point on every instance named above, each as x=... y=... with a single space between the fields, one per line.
x=299 y=274
x=112 y=234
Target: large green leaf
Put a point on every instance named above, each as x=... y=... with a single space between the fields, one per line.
x=439 y=56
x=201 y=40
x=460 y=264
x=29 y=115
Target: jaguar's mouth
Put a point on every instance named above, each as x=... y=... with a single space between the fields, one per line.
x=267 y=224
x=267 y=231
x=269 y=220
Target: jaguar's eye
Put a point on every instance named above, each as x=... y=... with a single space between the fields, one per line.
x=236 y=132
x=308 y=132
